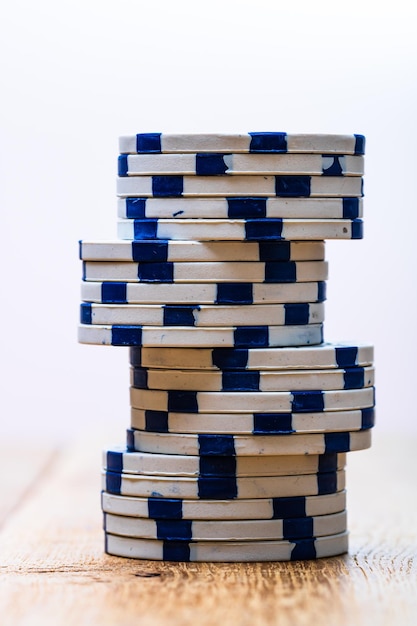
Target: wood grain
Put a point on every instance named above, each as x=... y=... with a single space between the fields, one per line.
x=53 y=570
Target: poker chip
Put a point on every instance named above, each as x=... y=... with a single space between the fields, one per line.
x=222 y=487
x=252 y=423
x=256 y=142
x=202 y=293
x=226 y=551
x=178 y=401
x=240 y=230
x=179 y=336
x=254 y=509
x=241 y=415
x=255 y=380
x=217 y=164
x=244 y=207
x=120 y=459
x=197 y=251
x=227 y=272
x=324 y=356
x=282 y=186
x=202 y=315
x=225 y=530
x=241 y=445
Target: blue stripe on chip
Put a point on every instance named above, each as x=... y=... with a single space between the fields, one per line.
x=337 y=442
x=156 y=272
x=140 y=378
x=297 y=527
x=272 y=423
x=167 y=186
x=85 y=313
x=156 y=421
x=217 y=465
x=268 y=142
x=152 y=251
x=276 y=272
x=135 y=208
x=350 y=208
x=229 y=358
x=307 y=401
x=182 y=401
x=251 y=336
x=297 y=313
x=368 y=418
x=277 y=251
x=304 y=549
x=216 y=445
x=124 y=335
x=164 y=508
x=176 y=551
x=293 y=186
x=113 y=482
x=234 y=293
x=219 y=487
x=174 y=530
x=270 y=229
x=289 y=507
x=327 y=483
x=243 y=208
x=179 y=315
x=359 y=144
x=114 y=293
x=241 y=381
x=346 y=356
x=122 y=166
x=335 y=169
x=354 y=378
x=210 y=164
x=145 y=229
x=148 y=142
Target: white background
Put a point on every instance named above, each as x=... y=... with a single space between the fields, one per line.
x=77 y=74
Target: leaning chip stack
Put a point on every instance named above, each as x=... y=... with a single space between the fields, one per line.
x=241 y=414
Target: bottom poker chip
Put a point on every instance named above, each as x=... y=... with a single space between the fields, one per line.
x=226 y=551
x=237 y=530
x=254 y=509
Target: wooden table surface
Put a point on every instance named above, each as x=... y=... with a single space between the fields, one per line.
x=53 y=569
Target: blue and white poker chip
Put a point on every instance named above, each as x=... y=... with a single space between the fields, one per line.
x=116 y=292
x=208 y=336
x=120 y=459
x=245 y=207
x=224 y=272
x=202 y=315
x=255 y=380
x=254 y=509
x=227 y=530
x=240 y=230
x=241 y=445
x=222 y=487
x=254 y=142
x=252 y=423
x=324 y=356
x=226 y=551
x=197 y=251
x=218 y=164
x=311 y=401
x=282 y=186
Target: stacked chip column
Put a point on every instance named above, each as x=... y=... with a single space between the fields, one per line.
x=241 y=414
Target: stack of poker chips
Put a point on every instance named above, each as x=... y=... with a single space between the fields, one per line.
x=241 y=414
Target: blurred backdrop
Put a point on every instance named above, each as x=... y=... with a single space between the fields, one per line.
x=77 y=74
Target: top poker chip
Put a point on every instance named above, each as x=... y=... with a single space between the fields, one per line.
x=256 y=142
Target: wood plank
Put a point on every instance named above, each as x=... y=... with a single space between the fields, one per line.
x=54 y=570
